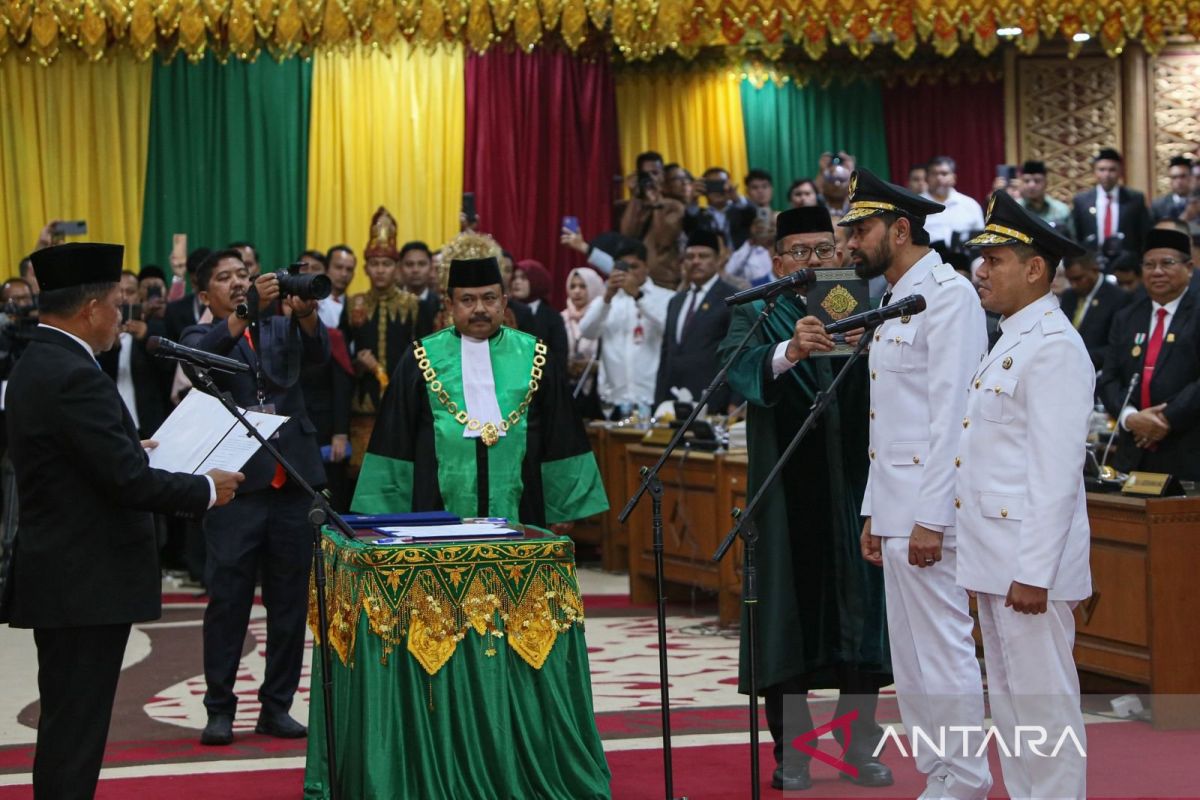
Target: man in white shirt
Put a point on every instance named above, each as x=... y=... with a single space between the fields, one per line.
x=1023 y=535
x=962 y=215
x=339 y=267
x=629 y=319
x=919 y=369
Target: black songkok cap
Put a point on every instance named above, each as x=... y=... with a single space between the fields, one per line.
x=77 y=264
x=806 y=219
x=870 y=197
x=1009 y=223
x=1033 y=168
x=471 y=272
x=703 y=237
x=1157 y=237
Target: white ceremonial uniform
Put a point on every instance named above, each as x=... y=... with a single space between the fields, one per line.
x=919 y=368
x=1023 y=517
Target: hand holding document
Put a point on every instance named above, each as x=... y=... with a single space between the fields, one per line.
x=201 y=435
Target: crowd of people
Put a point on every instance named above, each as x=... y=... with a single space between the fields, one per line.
x=646 y=323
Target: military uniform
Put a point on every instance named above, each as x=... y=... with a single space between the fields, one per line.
x=1022 y=515
x=918 y=368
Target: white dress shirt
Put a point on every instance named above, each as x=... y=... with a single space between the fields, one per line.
x=330 y=310
x=125 y=376
x=751 y=263
x=628 y=365
x=695 y=296
x=962 y=214
x=1171 y=308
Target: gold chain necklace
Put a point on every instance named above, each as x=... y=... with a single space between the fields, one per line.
x=489 y=432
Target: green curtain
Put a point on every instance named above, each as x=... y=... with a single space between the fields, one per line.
x=228 y=157
x=789 y=127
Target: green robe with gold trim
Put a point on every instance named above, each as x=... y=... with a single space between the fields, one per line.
x=821 y=607
x=541 y=472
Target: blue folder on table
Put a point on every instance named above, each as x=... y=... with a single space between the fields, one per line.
x=358 y=521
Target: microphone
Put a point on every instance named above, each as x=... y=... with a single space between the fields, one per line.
x=1133 y=382
x=913 y=304
x=801 y=277
x=165 y=348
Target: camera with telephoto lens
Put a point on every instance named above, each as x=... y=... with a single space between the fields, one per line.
x=307 y=287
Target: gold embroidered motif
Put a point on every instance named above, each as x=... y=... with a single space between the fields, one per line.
x=839 y=303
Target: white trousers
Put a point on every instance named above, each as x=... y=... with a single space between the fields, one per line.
x=1032 y=682
x=938 y=684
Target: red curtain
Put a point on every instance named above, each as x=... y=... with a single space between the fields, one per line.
x=964 y=121
x=541 y=145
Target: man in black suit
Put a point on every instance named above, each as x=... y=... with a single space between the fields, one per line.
x=1172 y=204
x=1091 y=303
x=181 y=314
x=697 y=321
x=1157 y=338
x=1110 y=210
x=266 y=525
x=86 y=558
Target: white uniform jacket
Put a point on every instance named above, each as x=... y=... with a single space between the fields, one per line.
x=919 y=368
x=1022 y=511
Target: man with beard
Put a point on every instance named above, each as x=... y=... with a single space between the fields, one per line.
x=920 y=367
x=479 y=421
x=821 y=605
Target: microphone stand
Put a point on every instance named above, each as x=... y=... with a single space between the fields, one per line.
x=652 y=482
x=1107 y=472
x=320 y=514
x=745 y=527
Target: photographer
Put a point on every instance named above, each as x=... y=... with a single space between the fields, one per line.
x=18 y=318
x=266 y=525
x=86 y=559
x=655 y=220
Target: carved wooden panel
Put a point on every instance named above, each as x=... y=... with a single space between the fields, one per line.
x=1067 y=110
x=1176 y=110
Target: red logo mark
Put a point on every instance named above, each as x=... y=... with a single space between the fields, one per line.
x=841 y=723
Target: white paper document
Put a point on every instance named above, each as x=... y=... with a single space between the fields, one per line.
x=201 y=435
x=464 y=530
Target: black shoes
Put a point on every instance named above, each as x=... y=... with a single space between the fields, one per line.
x=218 y=731
x=280 y=725
x=871 y=772
x=791 y=778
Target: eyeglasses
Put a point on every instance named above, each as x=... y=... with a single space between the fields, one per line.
x=1165 y=264
x=823 y=251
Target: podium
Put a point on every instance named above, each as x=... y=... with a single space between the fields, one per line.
x=1142 y=620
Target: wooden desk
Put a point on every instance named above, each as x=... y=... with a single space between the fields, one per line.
x=1141 y=622
x=698 y=492
x=609 y=443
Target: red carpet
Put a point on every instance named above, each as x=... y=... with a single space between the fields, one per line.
x=1127 y=760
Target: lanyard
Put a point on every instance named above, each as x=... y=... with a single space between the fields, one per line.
x=259 y=380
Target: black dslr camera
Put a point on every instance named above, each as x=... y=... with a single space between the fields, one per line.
x=307 y=287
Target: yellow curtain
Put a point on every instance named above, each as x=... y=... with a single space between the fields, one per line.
x=73 y=141
x=386 y=128
x=692 y=117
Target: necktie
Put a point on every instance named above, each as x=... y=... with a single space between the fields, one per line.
x=1152 y=350
x=1108 y=226
x=887 y=298
x=1080 y=310
x=691 y=312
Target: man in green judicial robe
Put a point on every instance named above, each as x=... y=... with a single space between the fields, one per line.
x=478 y=420
x=821 y=609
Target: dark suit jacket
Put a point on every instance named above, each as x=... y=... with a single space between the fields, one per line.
x=151 y=382
x=693 y=362
x=327 y=388
x=1165 y=207
x=1133 y=222
x=548 y=325
x=285 y=350
x=86 y=550
x=179 y=316
x=1108 y=300
x=1176 y=382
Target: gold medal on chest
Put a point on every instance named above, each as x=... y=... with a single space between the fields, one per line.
x=1007 y=363
x=490 y=434
x=1136 y=351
